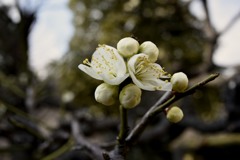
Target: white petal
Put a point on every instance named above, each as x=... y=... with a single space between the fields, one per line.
x=146 y=74
x=120 y=66
x=151 y=84
x=114 y=80
x=109 y=65
x=89 y=71
x=116 y=60
x=134 y=59
x=139 y=83
x=157 y=84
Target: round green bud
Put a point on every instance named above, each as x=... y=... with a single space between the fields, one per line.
x=106 y=94
x=149 y=49
x=179 y=82
x=127 y=47
x=174 y=114
x=130 y=96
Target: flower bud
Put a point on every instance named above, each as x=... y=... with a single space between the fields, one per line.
x=106 y=94
x=149 y=49
x=179 y=82
x=127 y=47
x=130 y=96
x=174 y=114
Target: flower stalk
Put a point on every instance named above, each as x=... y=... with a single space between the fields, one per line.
x=123 y=125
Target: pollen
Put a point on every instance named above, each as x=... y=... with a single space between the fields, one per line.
x=86 y=61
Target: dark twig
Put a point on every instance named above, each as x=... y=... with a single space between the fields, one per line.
x=140 y=127
x=94 y=151
x=210 y=31
x=161 y=100
x=25 y=115
x=186 y=93
x=230 y=24
x=119 y=153
x=210 y=43
x=66 y=147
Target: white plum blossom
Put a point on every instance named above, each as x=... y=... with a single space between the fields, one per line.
x=107 y=65
x=146 y=75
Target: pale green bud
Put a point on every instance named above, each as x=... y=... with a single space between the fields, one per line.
x=106 y=94
x=127 y=47
x=174 y=114
x=179 y=82
x=130 y=96
x=149 y=49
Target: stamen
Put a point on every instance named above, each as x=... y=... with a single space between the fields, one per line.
x=113 y=74
x=86 y=61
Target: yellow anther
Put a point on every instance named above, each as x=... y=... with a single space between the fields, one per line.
x=86 y=61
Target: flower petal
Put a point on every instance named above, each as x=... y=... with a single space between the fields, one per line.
x=146 y=74
x=113 y=80
x=107 y=65
x=134 y=60
x=151 y=84
x=89 y=71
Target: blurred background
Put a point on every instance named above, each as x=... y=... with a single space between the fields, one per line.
x=42 y=90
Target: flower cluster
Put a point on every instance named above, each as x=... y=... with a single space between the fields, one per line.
x=129 y=60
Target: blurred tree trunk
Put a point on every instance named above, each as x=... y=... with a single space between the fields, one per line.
x=14 y=48
x=14 y=40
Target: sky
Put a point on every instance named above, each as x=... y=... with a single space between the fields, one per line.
x=221 y=12
x=50 y=35
x=53 y=30
x=228 y=52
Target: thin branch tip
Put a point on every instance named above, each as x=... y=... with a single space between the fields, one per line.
x=212 y=77
x=215 y=75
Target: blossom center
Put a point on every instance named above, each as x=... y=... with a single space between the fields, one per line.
x=145 y=69
x=104 y=62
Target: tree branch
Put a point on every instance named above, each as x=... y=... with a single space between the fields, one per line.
x=140 y=127
x=66 y=147
x=119 y=153
x=230 y=24
x=209 y=30
x=192 y=139
x=95 y=152
x=210 y=44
